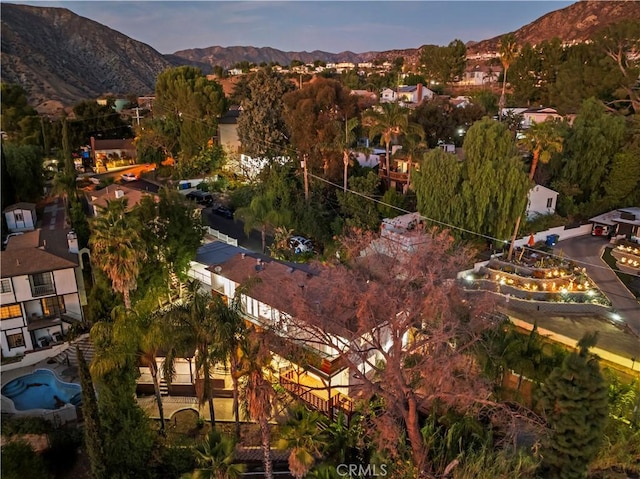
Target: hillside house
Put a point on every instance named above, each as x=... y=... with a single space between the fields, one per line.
x=20 y=217
x=99 y=199
x=112 y=152
x=621 y=222
x=478 y=75
x=409 y=95
x=42 y=290
x=541 y=201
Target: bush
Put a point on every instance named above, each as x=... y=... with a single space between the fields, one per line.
x=25 y=425
x=20 y=461
x=175 y=461
x=64 y=449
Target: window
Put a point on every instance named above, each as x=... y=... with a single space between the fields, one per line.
x=53 y=306
x=41 y=284
x=9 y=311
x=18 y=216
x=6 y=286
x=549 y=202
x=15 y=340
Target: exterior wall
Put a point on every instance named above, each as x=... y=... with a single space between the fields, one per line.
x=229 y=137
x=561 y=231
x=538 y=200
x=27 y=223
x=65 y=281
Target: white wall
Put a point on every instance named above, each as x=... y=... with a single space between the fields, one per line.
x=560 y=231
x=538 y=197
x=65 y=281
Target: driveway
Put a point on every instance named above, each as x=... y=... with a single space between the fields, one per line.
x=235 y=229
x=585 y=251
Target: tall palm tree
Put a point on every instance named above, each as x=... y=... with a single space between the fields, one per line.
x=508 y=53
x=262 y=212
x=192 y=329
x=389 y=122
x=137 y=333
x=542 y=140
x=215 y=457
x=230 y=331
x=259 y=394
x=117 y=247
x=413 y=145
x=303 y=436
x=344 y=139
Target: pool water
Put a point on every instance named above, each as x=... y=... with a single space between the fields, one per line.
x=41 y=390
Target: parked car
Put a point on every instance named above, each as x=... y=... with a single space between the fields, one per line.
x=223 y=211
x=300 y=244
x=200 y=197
x=129 y=177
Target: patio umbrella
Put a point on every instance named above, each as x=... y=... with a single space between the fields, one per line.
x=531 y=241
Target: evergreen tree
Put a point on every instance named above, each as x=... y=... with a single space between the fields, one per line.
x=93 y=434
x=575 y=401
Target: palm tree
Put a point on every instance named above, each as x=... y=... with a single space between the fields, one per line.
x=215 y=458
x=230 y=330
x=389 y=122
x=192 y=329
x=137 y=333
x=302 y=435
x=262 y=212
x=542 y=140
x=413 y=145
x=344 y=142
x=508 y=52
x=117 y=247
x=259 y=394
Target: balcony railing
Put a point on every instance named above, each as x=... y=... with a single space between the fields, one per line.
x=394 y=175
x=42 y=289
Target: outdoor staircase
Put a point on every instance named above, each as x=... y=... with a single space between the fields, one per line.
x=164 y=388
x=68 y=356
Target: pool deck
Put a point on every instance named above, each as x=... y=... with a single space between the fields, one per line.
x=62 y=371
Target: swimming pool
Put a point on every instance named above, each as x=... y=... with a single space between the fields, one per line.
x=41 y=390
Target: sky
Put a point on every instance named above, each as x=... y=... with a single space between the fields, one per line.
x=330 y=26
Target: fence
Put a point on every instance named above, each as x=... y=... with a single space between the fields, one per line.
x=221 y=236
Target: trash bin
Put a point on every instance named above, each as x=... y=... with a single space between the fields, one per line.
x=552 y=240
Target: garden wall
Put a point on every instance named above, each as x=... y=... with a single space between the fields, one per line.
x=563 y=233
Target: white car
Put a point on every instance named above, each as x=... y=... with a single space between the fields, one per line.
x=300 y=244
x=129 y=177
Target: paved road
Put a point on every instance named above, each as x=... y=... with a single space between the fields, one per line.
x=586 y=250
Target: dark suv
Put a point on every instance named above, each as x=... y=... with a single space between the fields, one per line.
x=200 y=197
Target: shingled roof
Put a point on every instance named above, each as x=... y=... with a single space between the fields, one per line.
x=37 y=252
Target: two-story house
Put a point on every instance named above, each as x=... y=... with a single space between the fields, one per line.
x=42 y=290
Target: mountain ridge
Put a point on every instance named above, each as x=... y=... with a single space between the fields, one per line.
x=61 y=57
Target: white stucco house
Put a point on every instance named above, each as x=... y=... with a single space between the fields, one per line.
x=21 y=217
x=541 y=201
x=42 y=290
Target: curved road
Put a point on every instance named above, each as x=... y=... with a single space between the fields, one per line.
x=586 y=251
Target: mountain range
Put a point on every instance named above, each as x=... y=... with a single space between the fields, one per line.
x=61 y=58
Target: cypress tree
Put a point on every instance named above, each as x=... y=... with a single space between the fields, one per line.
x=92 y=429
x=574 y=399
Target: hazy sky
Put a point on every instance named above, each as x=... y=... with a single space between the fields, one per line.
x=332 y=26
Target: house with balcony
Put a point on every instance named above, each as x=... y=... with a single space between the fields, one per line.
x=408 y=95
x=42 y=290
x=313 y=371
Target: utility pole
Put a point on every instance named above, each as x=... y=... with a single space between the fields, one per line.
x=306 y=178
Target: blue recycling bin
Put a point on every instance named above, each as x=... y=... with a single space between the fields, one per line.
x=552 y=240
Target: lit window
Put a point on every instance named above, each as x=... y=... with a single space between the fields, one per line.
x=10 y=311
x=53 y=306
x=15 y=340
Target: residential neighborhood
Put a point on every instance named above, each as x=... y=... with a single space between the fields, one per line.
x=388 y=268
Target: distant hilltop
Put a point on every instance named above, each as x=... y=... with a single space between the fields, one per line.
x=60 y=57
